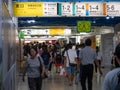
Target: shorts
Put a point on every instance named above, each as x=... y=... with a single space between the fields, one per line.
x=70 y=70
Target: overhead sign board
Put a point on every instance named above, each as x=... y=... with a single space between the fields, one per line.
x=80 y=9
x=35 y=31
x=57 y=31
x=41 y=9
x=66 y=9
x=28 y=8
x=94 y=9
x=49 y=9
x=113 y=8
x=84 y=26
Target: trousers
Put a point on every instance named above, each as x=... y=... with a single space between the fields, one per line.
x=87 y=75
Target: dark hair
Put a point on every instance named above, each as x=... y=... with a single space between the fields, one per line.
x=117 y=51
x=35 y=48
x=70 y=46
x=88 y=42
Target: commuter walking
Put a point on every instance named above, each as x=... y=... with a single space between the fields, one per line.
x=70 y=63
x=87 y=57
x=34 y=72
x=112 y=79
x=99 y=58
x=46 y=59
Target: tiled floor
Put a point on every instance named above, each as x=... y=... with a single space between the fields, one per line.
x=57 y=82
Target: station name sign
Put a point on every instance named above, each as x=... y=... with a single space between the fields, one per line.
x=41 y=9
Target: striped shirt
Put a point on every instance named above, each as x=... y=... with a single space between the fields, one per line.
x=33 y=67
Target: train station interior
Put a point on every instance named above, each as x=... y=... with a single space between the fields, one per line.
x=52 y=21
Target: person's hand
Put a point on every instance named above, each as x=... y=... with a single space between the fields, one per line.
x=100 y=71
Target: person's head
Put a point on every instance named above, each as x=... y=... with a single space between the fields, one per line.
x=69 y=46
x=33 y=51
x=97 y=48
x=88 y=42
x=45 y=49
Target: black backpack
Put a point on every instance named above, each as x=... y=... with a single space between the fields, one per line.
x=118 y=85
x=58 y=57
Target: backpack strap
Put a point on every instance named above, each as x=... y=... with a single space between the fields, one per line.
x=40 y=65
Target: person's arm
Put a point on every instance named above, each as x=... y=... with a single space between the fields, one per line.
x=25 y=70
x=43 y=67
x=65 y=59
x=99 y=66
x=78 y=63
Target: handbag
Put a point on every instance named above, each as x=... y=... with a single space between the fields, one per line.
x=40 y=65
x=71 y=64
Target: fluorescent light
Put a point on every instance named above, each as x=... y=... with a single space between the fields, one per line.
x=83 y=33
x=107 y=17
x=31 y=21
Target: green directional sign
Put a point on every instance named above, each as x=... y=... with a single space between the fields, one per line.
x=22 y=35
x=84 y=26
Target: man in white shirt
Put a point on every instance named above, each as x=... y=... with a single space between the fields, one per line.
x=70 y=57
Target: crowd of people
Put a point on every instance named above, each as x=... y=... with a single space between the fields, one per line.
x=74 y=58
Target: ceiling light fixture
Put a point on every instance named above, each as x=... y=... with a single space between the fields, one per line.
x=107 y=17
x=31 y=21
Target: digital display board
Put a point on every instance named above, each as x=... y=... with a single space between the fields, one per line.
x=83 y=26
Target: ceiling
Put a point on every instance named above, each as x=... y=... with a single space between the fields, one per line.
x=64 y=0
x=66 y=21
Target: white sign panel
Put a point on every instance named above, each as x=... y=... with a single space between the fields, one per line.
x=67 y=9
x=49 y=9
x=36 y=31
x=95 y=9
x=80 y=9
x=67 y=31
x=113 y=8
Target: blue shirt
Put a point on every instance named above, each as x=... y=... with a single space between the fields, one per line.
x=87 y=55
x=111 y=80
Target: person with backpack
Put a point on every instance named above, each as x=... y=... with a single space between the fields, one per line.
x=112 y=79
x=58 y=61
x=46 y=59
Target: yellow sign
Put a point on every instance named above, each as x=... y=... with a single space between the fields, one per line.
x=28 y=8
x=84 y=26
x=57 y=31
